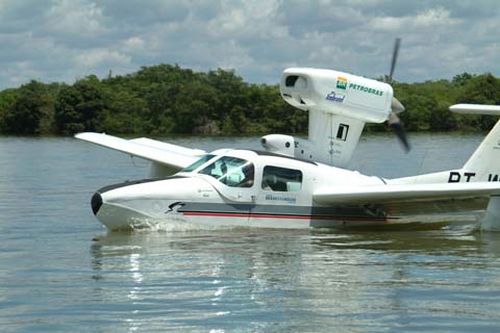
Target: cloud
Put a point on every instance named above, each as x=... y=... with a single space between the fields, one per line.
x=93 y=59
x=61 y=40
x=424 y=21
x=74 y=17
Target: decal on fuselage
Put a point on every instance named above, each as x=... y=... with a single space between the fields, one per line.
x=341 y=83
x=493 y=178
x=335 y=97
x=456 y=177
x=278 y=197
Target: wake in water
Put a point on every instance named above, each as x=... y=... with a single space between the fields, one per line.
x=177 y=225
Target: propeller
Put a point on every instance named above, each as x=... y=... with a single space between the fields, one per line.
x=396 y=107
x=395 y=52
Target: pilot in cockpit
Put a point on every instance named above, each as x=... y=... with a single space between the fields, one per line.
x=248 y=176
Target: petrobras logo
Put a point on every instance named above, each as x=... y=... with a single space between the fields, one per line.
x=341 y=83
x=365 y=89
x=332 y=96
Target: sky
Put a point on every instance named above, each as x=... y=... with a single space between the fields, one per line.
x=64 y=40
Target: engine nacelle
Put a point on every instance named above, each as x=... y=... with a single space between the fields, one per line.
x=279 y=144
x=336 y=92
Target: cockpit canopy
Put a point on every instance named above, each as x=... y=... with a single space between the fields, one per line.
x=238 y=172
x=231 y=171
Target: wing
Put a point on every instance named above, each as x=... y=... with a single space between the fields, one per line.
x=492 y=110
x=172 y=156
x=405 y=193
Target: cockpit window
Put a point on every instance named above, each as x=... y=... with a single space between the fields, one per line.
x=198 y=163
x=232 y=171
x=281 y=179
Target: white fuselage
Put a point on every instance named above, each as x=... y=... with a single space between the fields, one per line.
x=279 y=195
x=196 y=197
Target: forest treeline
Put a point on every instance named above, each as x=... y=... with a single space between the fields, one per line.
x=166 y=99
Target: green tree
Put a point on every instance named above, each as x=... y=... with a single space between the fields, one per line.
x=196 y=108
x=81 y=107
x=126 y=113
x=7 y=98
x=482 y=89
x=462 y=79
x=31 y=112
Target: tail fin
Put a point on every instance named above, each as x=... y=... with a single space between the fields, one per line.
x=485 y=161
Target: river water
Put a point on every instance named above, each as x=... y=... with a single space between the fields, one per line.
x=60 y=271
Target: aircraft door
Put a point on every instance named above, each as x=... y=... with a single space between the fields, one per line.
x=235 y=182
x=279 y=196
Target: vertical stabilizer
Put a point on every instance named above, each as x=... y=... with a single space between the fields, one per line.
x=484 y=163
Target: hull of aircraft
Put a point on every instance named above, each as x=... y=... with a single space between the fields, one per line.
x=147 y=213
x=123 y=218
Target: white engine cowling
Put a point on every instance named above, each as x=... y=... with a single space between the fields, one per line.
x=279 y=144
x=336 y=92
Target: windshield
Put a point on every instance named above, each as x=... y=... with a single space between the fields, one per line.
x=198 y=163
x=231 y=171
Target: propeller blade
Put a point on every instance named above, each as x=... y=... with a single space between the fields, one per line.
x=397 y=126
x=397 y=43
x=396 y=106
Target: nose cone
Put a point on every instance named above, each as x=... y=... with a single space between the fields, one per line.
x=96 y=202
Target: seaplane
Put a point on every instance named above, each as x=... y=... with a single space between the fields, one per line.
x=303 y=183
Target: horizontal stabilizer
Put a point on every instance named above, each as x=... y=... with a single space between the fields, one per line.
x=491 y=110
x=170 y=155
x=406 y=193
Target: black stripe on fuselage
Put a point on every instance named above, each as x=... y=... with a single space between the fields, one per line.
x=334 y=212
